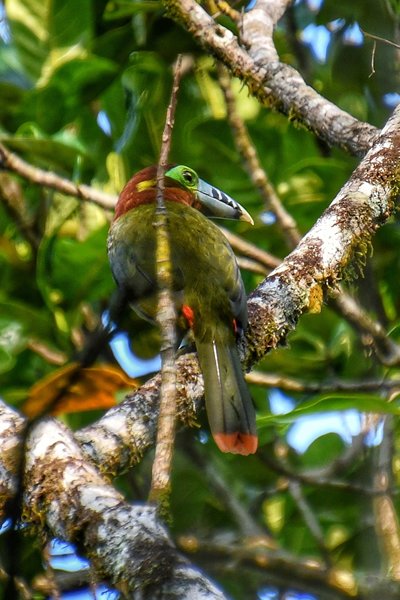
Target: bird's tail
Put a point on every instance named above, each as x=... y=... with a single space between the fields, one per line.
x=229 y=405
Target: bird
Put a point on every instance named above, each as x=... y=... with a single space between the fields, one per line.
x=207 y=285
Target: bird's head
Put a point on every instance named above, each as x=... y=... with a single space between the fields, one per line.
x=182 y=184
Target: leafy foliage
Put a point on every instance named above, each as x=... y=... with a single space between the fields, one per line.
x=83 y=92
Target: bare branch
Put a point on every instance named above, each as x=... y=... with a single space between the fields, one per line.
x=380 y=39
x=166 y=317
x=251 y=265
x=309 y=518
x=372 y=332
x=118 y=538
x=11 y=197
x=308 y=575
x=246 y=523
x=12 y=162
x=257 y=174
x=386 y=520
x=251 y=250
x=273 y=83
x=315 y=387
x=321 y=477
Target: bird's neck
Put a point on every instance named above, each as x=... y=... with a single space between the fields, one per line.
x=130 y=198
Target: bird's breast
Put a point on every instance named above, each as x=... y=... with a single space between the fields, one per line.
x=203 y=264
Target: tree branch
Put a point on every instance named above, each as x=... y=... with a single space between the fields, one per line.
x=12 y=162
x=307 y=575
x=341 y=234
x=272 y=82
x=166 y=319
x=126 y=544
x=372 y=332
x=317 y=387
x=255 y=170
x=123 y=434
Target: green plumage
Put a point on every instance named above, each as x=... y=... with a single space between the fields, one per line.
x=205 y=271
x=207 y=279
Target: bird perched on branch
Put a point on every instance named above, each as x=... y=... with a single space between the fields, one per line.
x=207 y=285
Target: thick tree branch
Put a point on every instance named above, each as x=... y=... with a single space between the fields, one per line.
x=120 y=438
x=341 y=234
x=126 y=544
x=272 y=82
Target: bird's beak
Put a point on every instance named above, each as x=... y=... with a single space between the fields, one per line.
x=219 y=205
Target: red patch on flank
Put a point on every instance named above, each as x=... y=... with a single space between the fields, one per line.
x=236 y=443
x=235 y=326
x=188 y=314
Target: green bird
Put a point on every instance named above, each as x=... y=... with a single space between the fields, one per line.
x=208 y=288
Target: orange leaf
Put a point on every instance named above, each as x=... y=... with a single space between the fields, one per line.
x=74 y=389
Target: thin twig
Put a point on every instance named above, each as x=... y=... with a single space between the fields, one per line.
x=251 y=265
x=311 y=387
x=246 y=522
x=281 y=566
x=253 y=164
x=373 y=334
x=166 y=316
x=373 y=59
x=251 y=250
x=314 y=478
x=12 y=198
x=380 y=39
x=310 y=519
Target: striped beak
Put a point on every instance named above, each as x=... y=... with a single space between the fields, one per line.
x=219 y=205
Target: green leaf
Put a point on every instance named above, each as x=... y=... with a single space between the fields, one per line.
x=33 y=321
x=44 y=150
x=323 y=450
x=41 y=28
x=117 y=9
x=7 y=360
x=60 y=257
x=12 y=341
x=334 y=402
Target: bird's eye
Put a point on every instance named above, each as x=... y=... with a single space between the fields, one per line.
x=188 y=176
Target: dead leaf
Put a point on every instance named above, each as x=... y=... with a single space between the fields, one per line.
x=74 y=389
